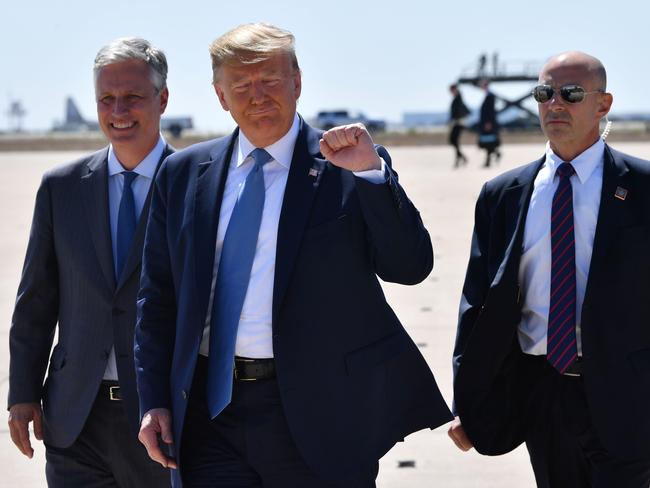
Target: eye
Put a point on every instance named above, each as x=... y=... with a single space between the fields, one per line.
x=271 y=82
x=133 y=97
x=106 y=99
x=240 y=87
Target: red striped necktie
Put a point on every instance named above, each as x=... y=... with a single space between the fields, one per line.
x=561 y=335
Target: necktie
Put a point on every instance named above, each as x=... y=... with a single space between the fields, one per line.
x=235 y=265
x=125 y=222
x=561 y=334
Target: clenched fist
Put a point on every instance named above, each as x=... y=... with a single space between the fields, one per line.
x=350 y=147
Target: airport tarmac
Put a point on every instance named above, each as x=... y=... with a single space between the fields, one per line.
x=445 y=198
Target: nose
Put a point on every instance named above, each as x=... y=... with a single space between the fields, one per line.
x=119 y=106
x=258 y=92
x=556 y=102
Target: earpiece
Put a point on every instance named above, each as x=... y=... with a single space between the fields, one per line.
x=608 y=128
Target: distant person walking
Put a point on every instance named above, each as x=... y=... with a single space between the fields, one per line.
x=457 y=113
x=488 y=130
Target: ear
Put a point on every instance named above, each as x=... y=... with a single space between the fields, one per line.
x=604 y=104
x=222 y=97
x=164 y=98
x=297 y=83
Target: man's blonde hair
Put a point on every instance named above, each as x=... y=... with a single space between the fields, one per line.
x=249 y=44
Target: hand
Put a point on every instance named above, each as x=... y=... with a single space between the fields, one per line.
x=20 y=415
x=350 y=147
x=458 y=435
x=157 y=421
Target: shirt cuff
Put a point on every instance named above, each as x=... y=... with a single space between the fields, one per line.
x=376 y=176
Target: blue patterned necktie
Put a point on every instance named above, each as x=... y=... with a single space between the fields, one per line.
x=126 y=222
x=234 y=272
x=561 y=335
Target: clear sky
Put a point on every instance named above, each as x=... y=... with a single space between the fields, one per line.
x=381 y=57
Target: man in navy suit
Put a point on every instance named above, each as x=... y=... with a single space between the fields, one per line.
x=82 y=272
x=318 y=379
x=553 y=344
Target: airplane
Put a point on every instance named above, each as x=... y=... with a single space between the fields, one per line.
x=75 y=122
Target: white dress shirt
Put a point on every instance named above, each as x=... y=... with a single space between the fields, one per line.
x=146 y=170
x=535 y=264
x=254 y=333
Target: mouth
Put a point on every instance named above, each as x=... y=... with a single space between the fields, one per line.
x=557 y=122
x=261 y=111
x=123 y=125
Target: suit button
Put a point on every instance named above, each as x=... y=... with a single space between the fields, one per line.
x=276 y=336
x=184 y=393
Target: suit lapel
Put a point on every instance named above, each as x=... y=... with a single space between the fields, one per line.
x=134 y=258
x=95 y=194
x=211 y=180
x=296 y=205
x=516 y=201
x=611 y=214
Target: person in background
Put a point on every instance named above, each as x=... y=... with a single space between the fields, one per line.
x=488 y=129
x=457 y=113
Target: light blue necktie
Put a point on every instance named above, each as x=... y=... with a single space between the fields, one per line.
x=234 y=272
x=125 y=223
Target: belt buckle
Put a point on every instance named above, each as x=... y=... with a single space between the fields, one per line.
x=234 y=367
x=113 y=393
x=575 y=375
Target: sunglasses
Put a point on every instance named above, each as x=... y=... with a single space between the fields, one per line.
x=569 y=93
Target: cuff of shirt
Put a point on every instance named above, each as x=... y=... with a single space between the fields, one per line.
x=376 y=176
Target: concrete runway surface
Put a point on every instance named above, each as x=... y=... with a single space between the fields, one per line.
x=445 y=198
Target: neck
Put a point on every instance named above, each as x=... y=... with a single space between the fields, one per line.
x=129 y=156
x=568 y=152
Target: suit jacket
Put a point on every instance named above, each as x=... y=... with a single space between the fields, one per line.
x=458 y=109
x=68 y=278
x=352 y=382
x=488 y=114
x=491 y=382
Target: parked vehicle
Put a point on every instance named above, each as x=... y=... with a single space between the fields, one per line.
x=326 y=119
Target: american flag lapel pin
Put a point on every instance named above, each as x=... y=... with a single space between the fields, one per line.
x=314 y=172
x=620 y=193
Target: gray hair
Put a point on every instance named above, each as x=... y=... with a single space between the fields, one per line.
x=251 y=43
x=130 y=48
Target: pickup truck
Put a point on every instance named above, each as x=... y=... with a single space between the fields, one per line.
x=326 y=119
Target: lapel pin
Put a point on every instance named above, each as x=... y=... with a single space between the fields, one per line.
x=620 y=193
x=314 y=172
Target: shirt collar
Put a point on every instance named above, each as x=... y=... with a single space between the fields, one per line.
x=281 y=150
x=146 y=167
x=584 y=163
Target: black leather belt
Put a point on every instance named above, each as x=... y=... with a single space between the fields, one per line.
x=247 y=369
x=110 y=389
x=575 y=368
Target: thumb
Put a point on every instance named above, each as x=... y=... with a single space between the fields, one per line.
x=38 y=424
x=166 y=429
x=325 y=149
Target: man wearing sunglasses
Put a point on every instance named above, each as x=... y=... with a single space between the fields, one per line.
x=553 y=343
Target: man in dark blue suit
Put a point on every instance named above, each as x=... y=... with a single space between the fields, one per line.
x=266 y=353
x=553 y=344
x=82 y=273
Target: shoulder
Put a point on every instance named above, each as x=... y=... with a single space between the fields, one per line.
x=76 y=168
x=514 y=177
x=635 y=165
x=187 y=160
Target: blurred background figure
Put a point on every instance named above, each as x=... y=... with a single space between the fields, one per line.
x=457 y=113
x=488 y=128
